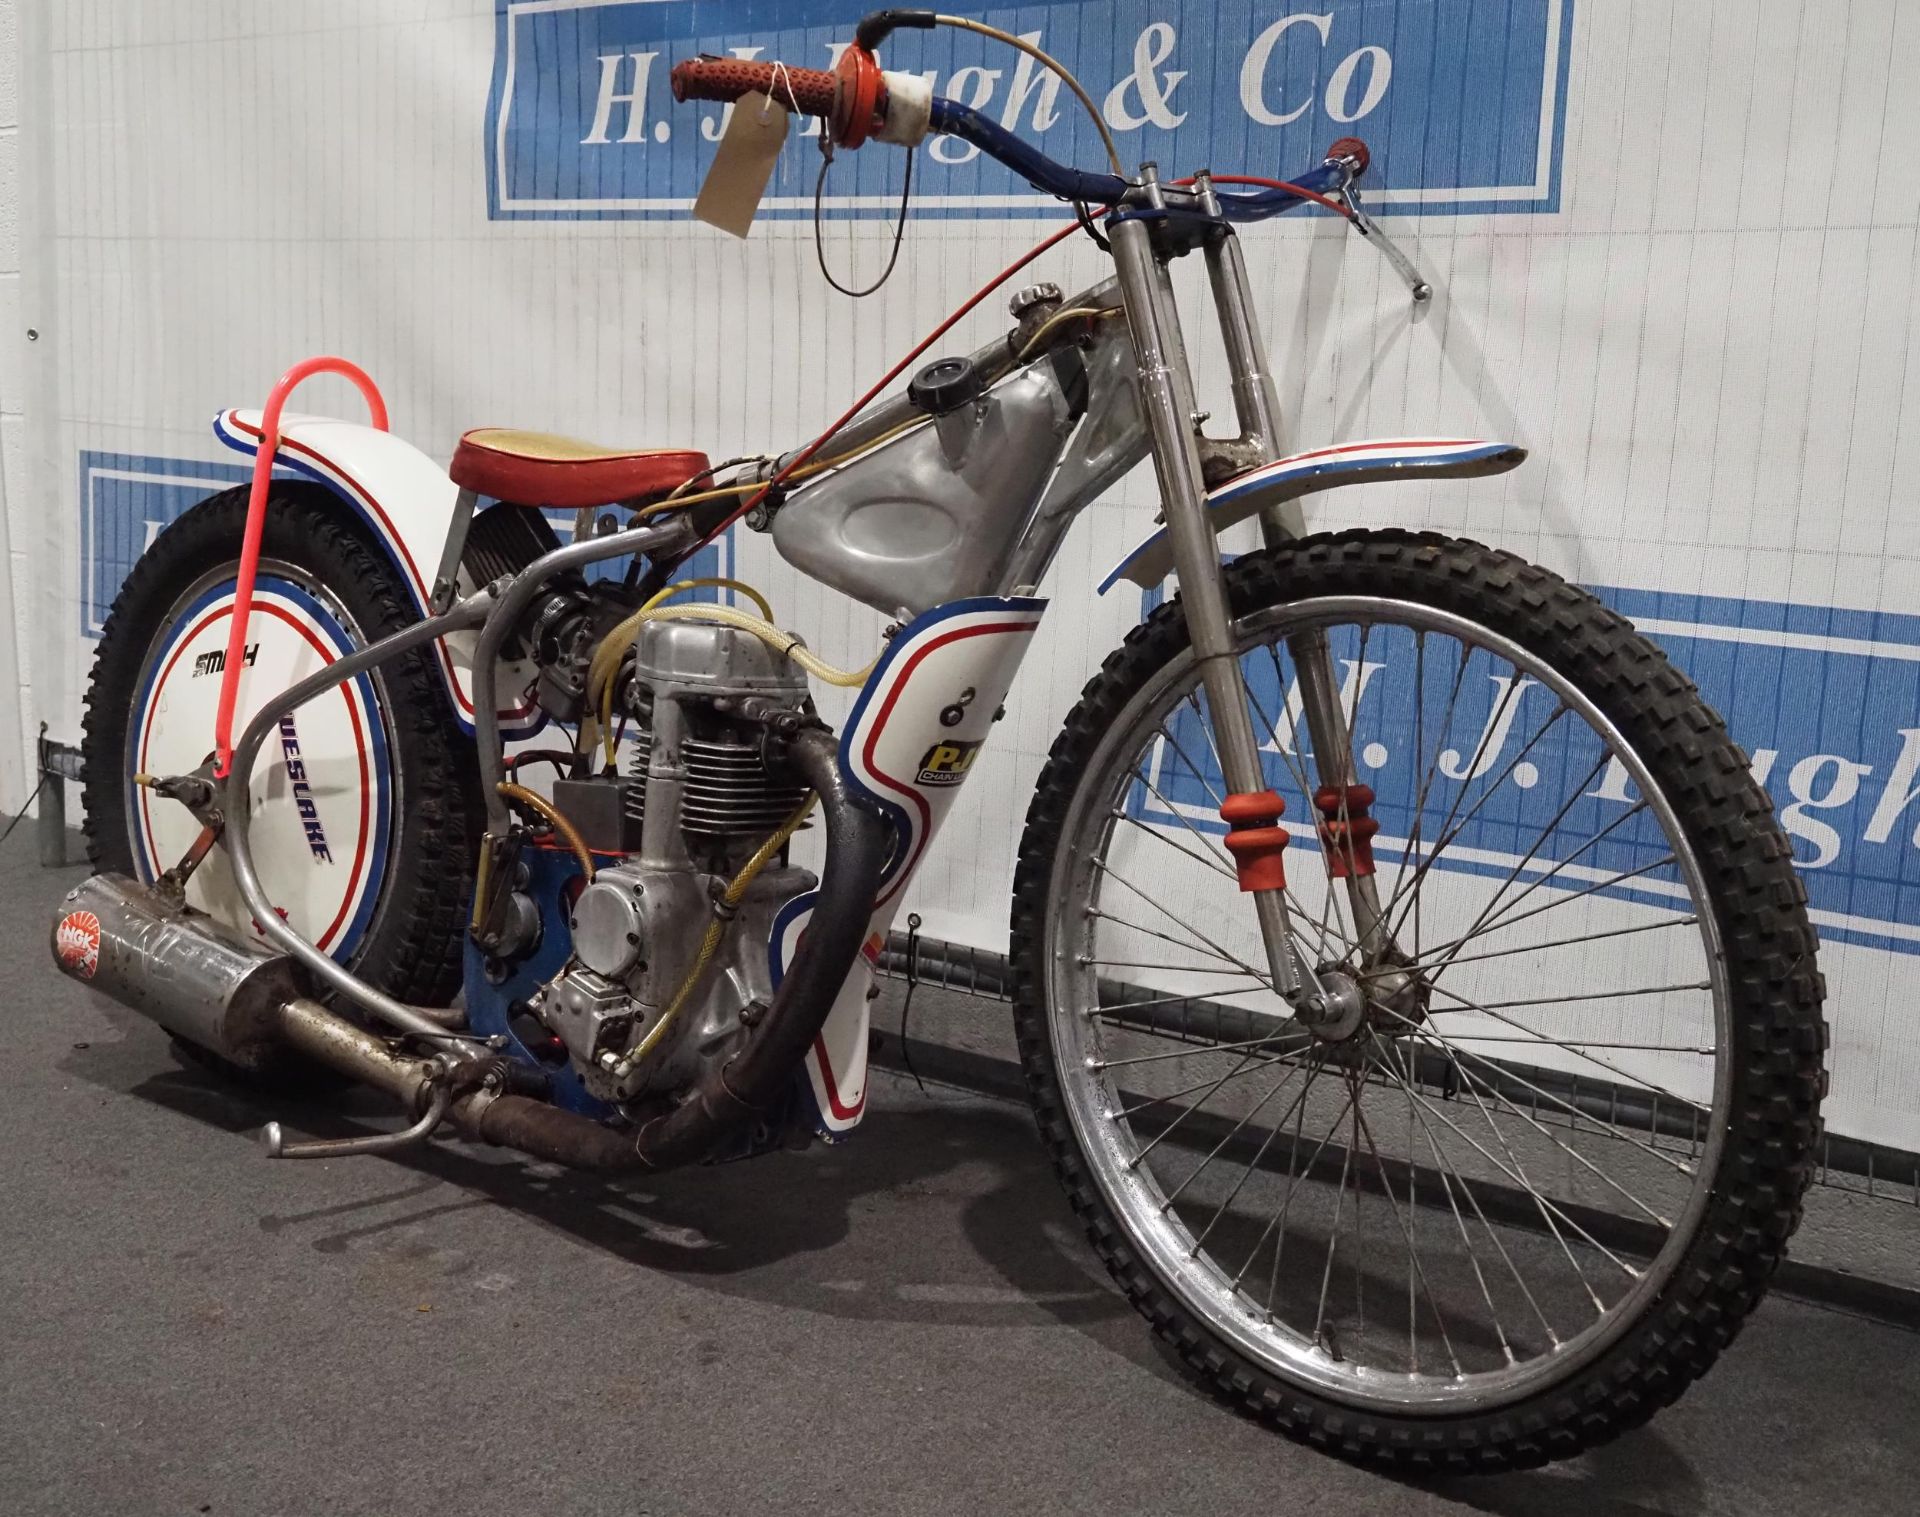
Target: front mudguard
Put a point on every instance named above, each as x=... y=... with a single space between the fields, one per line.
x=1356 y=463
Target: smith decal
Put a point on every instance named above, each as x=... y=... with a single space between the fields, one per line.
x=215 y=662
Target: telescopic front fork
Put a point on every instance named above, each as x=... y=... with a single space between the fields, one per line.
x=1167 y=399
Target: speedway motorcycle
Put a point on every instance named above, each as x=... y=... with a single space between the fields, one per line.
x=1415 y=992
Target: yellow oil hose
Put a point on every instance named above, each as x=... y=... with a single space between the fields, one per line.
x=729 y=902
x=1060 y=318
x=780 y=642
x=606 y=659
x=675 y=502
x=807 y=471
x=569 y=834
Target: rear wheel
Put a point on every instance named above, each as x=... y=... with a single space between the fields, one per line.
x=365 y=823
x=1534 y=1190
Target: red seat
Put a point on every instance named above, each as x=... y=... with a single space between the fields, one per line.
x=535 y=469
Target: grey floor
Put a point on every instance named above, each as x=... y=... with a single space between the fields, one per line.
x=908 y=1324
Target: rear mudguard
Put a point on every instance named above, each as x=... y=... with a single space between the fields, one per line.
x=406 y=502
x=1354 y=463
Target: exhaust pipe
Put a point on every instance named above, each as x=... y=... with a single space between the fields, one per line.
x=236 y=997
x=200 y=980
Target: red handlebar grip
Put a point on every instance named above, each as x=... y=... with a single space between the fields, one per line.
x=808 y=91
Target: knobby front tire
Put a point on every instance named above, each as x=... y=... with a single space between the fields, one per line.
x=1539 y=1189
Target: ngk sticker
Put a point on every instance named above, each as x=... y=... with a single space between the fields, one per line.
x=76 y=943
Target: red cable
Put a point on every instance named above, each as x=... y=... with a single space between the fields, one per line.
x=1278 y=184
x=946 y=326
x=888 y=378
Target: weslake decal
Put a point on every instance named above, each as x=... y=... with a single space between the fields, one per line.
x=1461 y=101
x=303 y=790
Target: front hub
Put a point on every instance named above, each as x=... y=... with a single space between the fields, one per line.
x=1335 y=1011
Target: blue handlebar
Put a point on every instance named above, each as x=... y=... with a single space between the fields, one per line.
x=1032 y=165
x=1258 y=206
x=953 y=119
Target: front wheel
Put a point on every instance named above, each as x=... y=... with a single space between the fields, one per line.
x=1532 y=1191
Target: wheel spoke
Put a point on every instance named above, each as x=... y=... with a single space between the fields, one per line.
x=1596 y=995
x=1333 y=1233
x=1507 y=918
x=1420 y=966
x=1362 y=1130
x=1233 y=1132
x=1487 y=794
x=1181 y=817
x=1504 y=922
x=1473 y=764
x=1155 y=832
x=1198 y=773
x=1112 y=1009
x=1239 y=974
x=1200 y=947
x=1191 y=1051
x=1538 y=842
x=1209 y=1084
x=1139 y=894
x=1575 y=1049
x=1547 y=1133
x=1517 y=1173
x=1442 y=1165
x=1426 y=780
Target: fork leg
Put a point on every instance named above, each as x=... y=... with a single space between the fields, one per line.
x=1166 y=393
x=1256 y=405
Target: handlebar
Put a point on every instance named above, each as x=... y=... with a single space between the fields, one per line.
x=805 y=91
x=859 y=101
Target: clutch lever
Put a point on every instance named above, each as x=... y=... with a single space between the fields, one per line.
x=1370 y=229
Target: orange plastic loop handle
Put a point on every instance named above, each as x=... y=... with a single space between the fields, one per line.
x=256 y=527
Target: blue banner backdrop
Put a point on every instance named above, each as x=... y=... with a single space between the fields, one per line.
x=1461 y=101
x=1817 y=697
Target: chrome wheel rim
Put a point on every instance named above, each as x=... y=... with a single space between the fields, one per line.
x=1136 y=1098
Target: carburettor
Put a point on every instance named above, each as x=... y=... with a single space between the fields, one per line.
x=697 y=800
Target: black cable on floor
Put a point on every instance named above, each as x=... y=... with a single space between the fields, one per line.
x=906 y=1003
x=20 y=815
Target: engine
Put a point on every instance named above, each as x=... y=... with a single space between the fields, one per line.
x=696 y=802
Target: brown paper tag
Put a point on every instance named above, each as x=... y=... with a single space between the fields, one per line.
x=756 y=129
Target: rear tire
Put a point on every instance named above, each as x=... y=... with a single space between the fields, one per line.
x=412 y=941
x=1713 y=1265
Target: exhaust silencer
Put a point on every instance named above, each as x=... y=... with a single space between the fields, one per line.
x=197 y=978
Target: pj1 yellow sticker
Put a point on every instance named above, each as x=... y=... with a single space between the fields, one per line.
x=947 y=763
